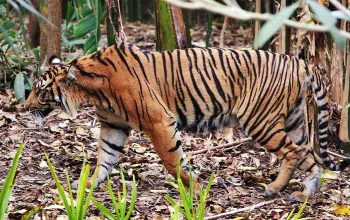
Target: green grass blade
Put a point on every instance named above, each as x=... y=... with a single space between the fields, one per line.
x=184 y=198
x=9 y=183
x=70 y=195
x=103 y=209
x=81 y=193
x=124 y=200
x=290 y=214
x=30 y=214
x=111 y=194
x=173 y=204
x=91 y=190
x=133 y=197
x=59 y=187
x=190 y=199
x=300 y=212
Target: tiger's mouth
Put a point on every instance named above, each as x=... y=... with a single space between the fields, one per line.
x=43 y=112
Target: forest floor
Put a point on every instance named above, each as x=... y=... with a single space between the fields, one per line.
x=240 y=171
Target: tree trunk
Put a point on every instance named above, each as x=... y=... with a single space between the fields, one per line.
x=171 y=28
x=50 y=37
x=33 y=28
x=344 y=130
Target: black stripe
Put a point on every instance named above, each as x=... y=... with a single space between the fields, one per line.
x=178 y=144
x=111 y=63
x=113 y=146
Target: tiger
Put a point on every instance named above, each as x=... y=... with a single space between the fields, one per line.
x=195 y=90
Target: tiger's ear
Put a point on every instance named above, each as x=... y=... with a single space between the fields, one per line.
x=54 y=60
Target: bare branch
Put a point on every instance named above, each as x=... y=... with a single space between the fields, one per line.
x=237 y=13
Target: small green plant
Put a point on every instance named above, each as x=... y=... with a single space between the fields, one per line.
x=9 y=183
x=75 y=209
x=120 y=206
x=300 y=212
x=190 y=210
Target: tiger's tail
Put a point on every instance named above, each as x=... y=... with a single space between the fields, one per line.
x=321 y=98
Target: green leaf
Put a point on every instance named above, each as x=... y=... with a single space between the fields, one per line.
x=7 y=25
x=90 y=45
x=297 y=216
x=133 y=197
x=9 y=183
x=98 y=14
x=84 y=26
x=30 y=214
x=19 y=87
x=91 y=190
x=69 y=12
x=60 y=189
x=111 y=194
x=36 y=53
x=273 y=25
x=31 y=8
x=28 y=84
x=2 y=9
x=325 y=16
x=70 y=195
x=103 y=209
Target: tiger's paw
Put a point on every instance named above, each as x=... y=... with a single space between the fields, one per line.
x=298 y=197
x=272 y=189
x=75 y=184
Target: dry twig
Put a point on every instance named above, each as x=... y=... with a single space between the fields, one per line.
x=220 y=146
x=249 y=208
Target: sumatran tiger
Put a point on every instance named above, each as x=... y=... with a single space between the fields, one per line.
x=196 y=89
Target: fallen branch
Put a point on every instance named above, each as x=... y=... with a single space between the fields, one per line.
x=336 y=155
x=221 y=146
x=249 y=208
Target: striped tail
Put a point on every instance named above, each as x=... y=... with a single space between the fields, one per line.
x=320 y=95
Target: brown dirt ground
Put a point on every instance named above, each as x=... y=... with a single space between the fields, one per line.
x=239 y=171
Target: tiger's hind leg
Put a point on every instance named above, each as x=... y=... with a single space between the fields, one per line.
x=277 y=141
x=295 y=127
x=312 y=180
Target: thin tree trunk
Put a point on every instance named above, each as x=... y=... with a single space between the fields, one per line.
x=222 y=33
x=50 y=38
x=33 y=28
x=344 y=129
x=257 y=22
x=171 y=28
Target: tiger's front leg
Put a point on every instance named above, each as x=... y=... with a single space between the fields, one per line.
x=167 y=143
x=113 y=137
x=110 y=145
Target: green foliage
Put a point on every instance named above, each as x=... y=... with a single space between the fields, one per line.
x=120 y=205
x=190 y=209
x=82 y=26
x=75 y=208
x=321 y=12
x=300 y=212
x=325 y=16
x=9 y=183
x=273 y=25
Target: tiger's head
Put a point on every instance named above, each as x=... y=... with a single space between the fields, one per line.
x=53 y=89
